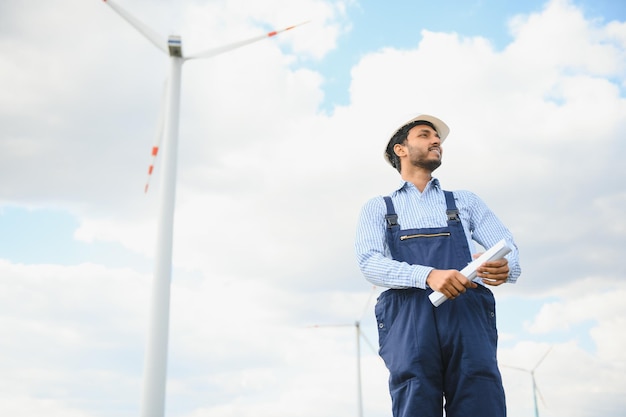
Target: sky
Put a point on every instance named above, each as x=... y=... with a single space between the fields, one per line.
x=280 y=145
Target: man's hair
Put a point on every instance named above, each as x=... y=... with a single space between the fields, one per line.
x=400 y=137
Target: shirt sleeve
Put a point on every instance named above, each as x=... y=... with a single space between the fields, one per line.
x=374 y=257
x=487 y=230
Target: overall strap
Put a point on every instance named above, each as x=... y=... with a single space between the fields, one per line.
x=391 y=218
x=451 y=211
x=455 y=226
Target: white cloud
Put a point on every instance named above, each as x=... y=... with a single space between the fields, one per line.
x=75 y=333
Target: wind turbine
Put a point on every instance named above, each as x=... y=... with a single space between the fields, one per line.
x=153 y=392
x=359 y=335
x=532 y=375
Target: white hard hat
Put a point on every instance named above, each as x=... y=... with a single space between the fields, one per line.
x=442 y=130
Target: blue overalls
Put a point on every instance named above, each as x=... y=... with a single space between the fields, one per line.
x=435 y=352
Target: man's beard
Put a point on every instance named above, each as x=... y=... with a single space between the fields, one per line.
x=430 y=164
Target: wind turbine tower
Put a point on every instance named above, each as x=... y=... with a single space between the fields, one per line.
x=155 y=368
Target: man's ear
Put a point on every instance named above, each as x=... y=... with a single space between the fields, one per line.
x=399 y=149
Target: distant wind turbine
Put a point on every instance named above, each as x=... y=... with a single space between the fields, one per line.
x=532 y=375
x=359 y=335
x=153 y=394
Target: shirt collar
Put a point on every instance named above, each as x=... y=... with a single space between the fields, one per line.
x=434 y=183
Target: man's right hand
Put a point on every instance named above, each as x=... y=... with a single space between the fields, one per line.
x=449 y=282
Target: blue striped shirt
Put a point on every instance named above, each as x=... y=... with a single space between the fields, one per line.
x=425 y=209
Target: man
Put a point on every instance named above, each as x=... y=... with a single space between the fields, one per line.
x=413 y=242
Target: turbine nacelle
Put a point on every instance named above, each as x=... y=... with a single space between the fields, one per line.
x=175 y=46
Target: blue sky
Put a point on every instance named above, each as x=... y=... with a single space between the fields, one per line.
x=43 y=236
x=280 y=145
x=376 y=25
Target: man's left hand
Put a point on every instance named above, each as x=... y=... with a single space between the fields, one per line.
x=494 y=272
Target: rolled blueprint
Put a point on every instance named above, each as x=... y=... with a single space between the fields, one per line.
x=497 y=251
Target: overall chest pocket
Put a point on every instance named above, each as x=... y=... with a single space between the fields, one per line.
x=423 y=235
x=427 y=246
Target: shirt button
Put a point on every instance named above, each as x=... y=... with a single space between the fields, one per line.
x=381 y=325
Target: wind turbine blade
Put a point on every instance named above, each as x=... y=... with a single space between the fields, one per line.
x=368 y=343
x=331 y=325
x=542 y=358
x=146 y=31
x=158 y=138
x=220 y=50
x=515 y=367
x=367 y=304
x=155 y=151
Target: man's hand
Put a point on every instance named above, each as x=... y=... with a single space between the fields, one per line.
x=493 y=273
x=449 y=282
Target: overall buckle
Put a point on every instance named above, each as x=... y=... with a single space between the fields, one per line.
x=453 y=215
x=392 y=220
